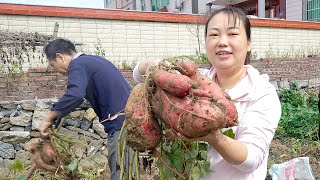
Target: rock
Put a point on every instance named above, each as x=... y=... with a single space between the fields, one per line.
x=39 y=113
x=72 y=122
x=284 y=85
x=87 y=164
x=6 y=150
x=4 y=120
x=5 y=113
x=89 y=114
x=27 y=146
x=15 y=113
x=85 y=138
x=70 y=134
x=302 y=83
x=24 y=119
x=314 y=83
x=94 y=146
x=77 y=114
x=99 y=158
x=86 y=133
x=24 y=157
x=5 y=168
x=14 y=136
x=17 y=128
x=34 y=134
x=17 y=146
x=8 y=105
x=90 y=130
x=85 y=124
x=79 y=150
x=28 y=128
x=5 y=127
x=99 y=128
x=104 y=151
x=28 y=105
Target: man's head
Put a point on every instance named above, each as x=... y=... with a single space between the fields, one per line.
x=59 y=53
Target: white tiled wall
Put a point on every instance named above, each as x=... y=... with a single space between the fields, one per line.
x=132 y=41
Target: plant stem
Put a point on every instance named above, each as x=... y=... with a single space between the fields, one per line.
x=131 y=166
x=122 y=159
x=119 y=140
x=163 y=162
x=137 y=165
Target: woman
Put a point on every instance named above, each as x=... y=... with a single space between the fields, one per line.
x=228 y=46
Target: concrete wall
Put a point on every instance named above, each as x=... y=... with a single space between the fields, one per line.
x=128 y=36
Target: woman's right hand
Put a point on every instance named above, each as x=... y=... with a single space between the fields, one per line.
x=146 y=64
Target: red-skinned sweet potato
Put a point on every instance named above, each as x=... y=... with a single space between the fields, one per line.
x=206 y=108
x=176 y=84
x=143 y=131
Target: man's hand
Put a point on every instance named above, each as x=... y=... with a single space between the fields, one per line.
x=47 y=122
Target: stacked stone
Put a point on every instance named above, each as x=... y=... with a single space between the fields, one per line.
x=18 y=130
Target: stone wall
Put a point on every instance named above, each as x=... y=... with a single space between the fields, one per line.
x=18 y=123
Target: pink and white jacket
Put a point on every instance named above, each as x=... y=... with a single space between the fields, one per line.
x=259 y=112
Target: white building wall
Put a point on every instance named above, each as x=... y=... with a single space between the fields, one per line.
x=133 y=41
x=294 y=10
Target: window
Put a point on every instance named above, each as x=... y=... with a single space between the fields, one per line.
x=143 y=5
x=158 y=4
x=313 y=10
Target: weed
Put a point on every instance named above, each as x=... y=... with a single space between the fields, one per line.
x=300 y=115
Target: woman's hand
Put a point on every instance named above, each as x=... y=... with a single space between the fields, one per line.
x=146 y=64
x=212 y=138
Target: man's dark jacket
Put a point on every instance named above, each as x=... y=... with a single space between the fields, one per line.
x=101 y=83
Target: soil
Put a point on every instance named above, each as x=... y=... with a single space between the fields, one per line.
x=282 y=151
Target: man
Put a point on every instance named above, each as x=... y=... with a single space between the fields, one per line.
x=95 y=79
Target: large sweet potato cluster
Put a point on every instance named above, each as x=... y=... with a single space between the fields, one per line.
x=177 y=96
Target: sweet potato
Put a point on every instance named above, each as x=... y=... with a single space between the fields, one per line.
x=176 y=84
x=143 y=131
x=190 y=116
x=206 y=108
x=44 y=156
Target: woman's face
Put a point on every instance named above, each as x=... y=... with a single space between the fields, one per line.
x=226 y=42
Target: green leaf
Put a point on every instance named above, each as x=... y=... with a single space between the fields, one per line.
x=73 y=166
x=187 y=156
x=203 y=154
x=177 y=164
x=20 y=177
x=196 y=173
x=17 y=166
x=194 y=153
x=229 y=133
